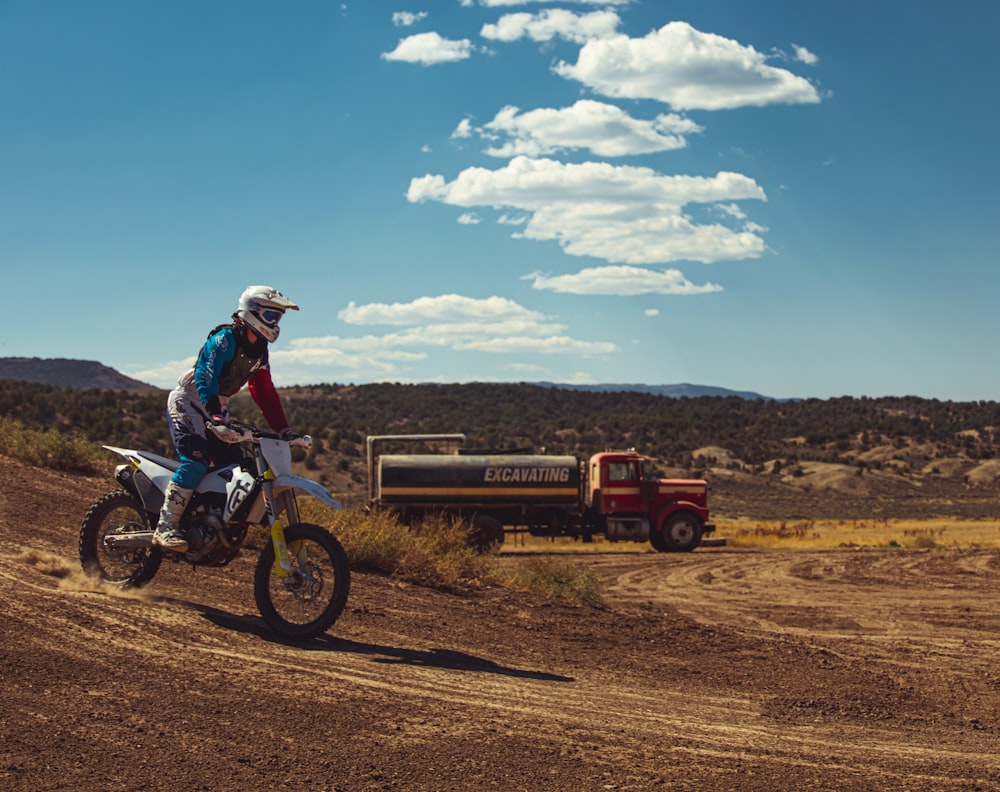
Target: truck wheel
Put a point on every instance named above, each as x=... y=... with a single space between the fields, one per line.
x=681 y=533
x=659 y=540
x=486 y=533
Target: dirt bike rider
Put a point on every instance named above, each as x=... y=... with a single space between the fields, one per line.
x=233 y=356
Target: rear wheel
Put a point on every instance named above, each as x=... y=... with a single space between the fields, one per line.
x=307 y=602
x=115 y=513
x=486 y=534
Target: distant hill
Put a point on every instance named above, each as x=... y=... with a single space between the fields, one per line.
x=91 y=374
x=80 y=374
x=672 y=391
x=843 y=458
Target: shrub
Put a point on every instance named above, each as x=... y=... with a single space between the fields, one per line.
x=50 y=448
x=561 y=579
x=924 y=541
x=437 y=554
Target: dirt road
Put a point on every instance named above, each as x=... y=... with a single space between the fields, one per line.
x=717 y=670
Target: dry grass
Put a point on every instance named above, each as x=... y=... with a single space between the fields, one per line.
x=51 y=448
x=799 y=534
x=526 y=544
x=826 y=534
x=438 y=554
x=559 y=578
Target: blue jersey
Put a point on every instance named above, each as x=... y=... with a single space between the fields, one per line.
x=225 y=365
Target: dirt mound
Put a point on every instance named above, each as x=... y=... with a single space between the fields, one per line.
x=715 y=670
x=843 y=478
x=985 y=473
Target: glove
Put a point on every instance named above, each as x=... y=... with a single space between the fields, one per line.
x=221 y=418
x=288 y=434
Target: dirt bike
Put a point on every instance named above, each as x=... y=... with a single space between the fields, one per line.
x=302 y=577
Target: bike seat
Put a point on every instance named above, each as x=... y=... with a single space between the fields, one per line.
x=170 y=464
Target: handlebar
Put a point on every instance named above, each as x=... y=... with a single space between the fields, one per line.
x=242 y=433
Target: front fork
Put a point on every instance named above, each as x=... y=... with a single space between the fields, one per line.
x=283 y=552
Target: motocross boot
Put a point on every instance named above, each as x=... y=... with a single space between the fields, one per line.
x=168 y=534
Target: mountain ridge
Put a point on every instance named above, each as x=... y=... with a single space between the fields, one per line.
x=83 y=374
x=680 y=390
x=68 y=372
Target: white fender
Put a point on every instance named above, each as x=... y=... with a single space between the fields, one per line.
x=157 y=469
x=308 y=486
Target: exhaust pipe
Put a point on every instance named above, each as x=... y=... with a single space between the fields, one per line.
x=131 y=539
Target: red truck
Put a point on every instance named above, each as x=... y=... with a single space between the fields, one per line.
x=538 y=493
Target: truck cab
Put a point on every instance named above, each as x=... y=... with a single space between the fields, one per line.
x=671 y=513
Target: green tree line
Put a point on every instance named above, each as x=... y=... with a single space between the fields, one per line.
x=522 y=416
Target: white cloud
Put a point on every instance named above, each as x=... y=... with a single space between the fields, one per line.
x=443 y=308
x=428 y=49
x=495 y=324
x=469 y=218
x=602 y=128
x=463 y=130
x=621 y=281
x=507 y=3
x=408 y=18
x=528 y=345
x=348 y=359
x=553 y=23
x=166 y=374
x=620 y=214
x=651 y=312
x=732 y=210
x=805 y=56
x=344 y=352
x=687 y=69
x=580 y=378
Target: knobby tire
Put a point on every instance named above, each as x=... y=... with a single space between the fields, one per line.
x=123 y=569
x=306 y=605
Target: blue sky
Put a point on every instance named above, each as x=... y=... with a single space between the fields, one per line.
x=792 y=198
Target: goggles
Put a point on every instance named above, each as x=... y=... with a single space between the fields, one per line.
x=271 y=316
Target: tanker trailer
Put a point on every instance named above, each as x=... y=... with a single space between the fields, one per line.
x=488 y=490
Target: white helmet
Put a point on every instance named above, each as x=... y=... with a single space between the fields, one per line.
x=261 y=308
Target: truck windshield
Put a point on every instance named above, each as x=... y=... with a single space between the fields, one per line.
x=622 y=471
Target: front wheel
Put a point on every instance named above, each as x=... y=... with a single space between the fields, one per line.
x=116 y=513
x=681 y=533
x=307 y=602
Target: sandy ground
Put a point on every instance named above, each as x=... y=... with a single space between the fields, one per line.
x=722 y=669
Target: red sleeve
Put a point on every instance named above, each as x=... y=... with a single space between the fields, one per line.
x=262 y=390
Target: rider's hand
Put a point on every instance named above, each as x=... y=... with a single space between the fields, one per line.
x=218 y=412
x=288 y=434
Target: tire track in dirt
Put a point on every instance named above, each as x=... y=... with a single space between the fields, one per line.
x=843 y=670
x=941 y=601
x=700 y=726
